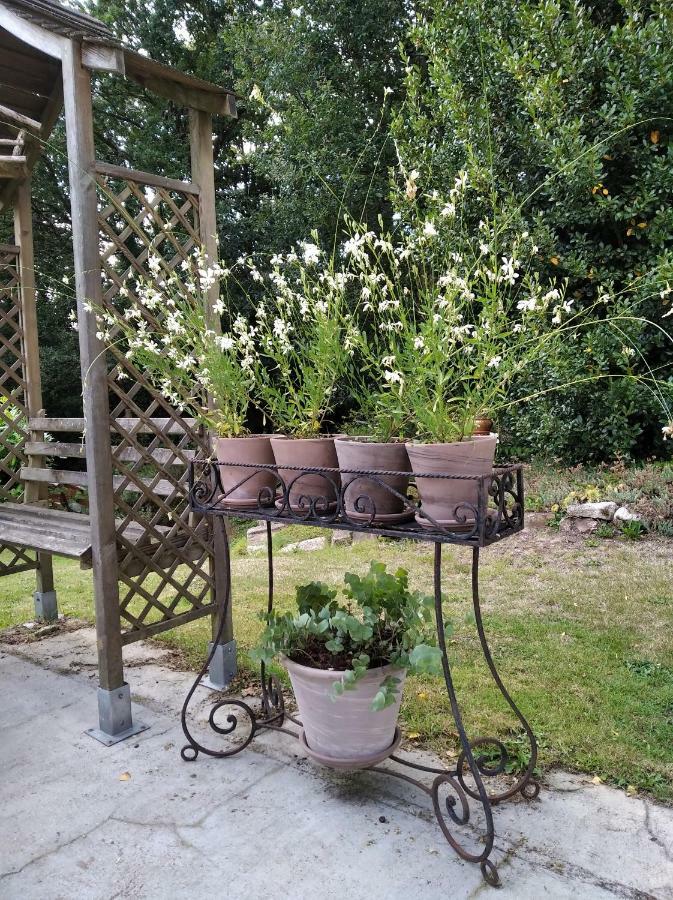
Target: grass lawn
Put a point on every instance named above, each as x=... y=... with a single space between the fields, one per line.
x=582 y=633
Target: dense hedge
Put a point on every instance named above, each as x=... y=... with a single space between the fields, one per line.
x=526 y=89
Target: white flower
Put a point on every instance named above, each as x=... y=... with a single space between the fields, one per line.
x=388 y=361
x=429 y=229
x=276 y=260
x=508 y=269
x=393 y=377
x=419 y=343
x=387 y=90
x=527 y=305
x=311 y=253
x=154 y=264
x=225 y=342
x=628 y=351
x=667 y=431
x=484 y=248
x=449 y=210
x=494 y=362
x=218 y=306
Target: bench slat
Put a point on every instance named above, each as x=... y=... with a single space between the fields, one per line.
x=162 y=488
x=60 y=532
x=66 y=450
x=164 y=425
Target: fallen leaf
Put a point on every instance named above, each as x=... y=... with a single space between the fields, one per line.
x=125 y=776
x=422 y=695
x=413 y=735
x=631 y=790
x=654 y=137
x=597 y=780
x=554 y=260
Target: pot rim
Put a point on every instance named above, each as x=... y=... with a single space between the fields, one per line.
x=330 y=673
x=244 y=437
x=369 y=440
x=317 y=437
x=471 y=440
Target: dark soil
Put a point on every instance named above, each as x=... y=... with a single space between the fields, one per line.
x=316 y=656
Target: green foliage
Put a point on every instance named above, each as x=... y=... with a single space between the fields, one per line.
x=568 y=105
x=382 y=622
x=633 y=530
x=11 y=438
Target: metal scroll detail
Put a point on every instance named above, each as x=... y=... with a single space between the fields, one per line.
x=319 y=496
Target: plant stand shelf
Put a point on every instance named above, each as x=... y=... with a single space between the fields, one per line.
x=495 y=513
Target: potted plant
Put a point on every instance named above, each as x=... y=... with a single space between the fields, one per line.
x=447 y=334
x=162 y=329
x=347 y=661
x=305 y=337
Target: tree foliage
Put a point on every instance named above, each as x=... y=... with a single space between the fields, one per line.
x=562 y=109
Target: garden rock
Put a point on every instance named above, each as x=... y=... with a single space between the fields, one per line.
x=257 y=535
x=571 y=525
x=623 y=515
x=603 y=511
x=342 y=537
x=318 y=543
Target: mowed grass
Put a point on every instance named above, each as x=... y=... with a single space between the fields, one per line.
x=582 y=636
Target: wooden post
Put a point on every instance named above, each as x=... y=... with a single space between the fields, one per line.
x=45 y=595
x=114 y=698
x=223 y=667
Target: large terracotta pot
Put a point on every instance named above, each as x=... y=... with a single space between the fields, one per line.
x=346 y=730
x=260 y=487
x=451 y=503
x=308 y=491
x=365 y=500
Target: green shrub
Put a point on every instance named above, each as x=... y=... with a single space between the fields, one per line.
x=569 y=106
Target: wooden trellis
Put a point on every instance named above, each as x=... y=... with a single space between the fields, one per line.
x=13 y=411
x=154 y=566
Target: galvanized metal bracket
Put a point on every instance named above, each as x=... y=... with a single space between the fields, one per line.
x=222 y=668
x=46 y=606
x=115 y=719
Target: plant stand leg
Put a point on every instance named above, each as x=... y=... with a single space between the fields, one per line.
x=526 y=784
x=454 y=808
x=273 y=704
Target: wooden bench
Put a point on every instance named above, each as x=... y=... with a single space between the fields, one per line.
x=54 y=531
x=34 y=525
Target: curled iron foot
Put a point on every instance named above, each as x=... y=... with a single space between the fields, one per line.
x=490 y=873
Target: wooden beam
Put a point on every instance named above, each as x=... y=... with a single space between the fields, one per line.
x=39 y=38
x=34 y=145
x=99 y=58
x=171 y=184
x=9 y=116
x=13 y=167
x=84 y=217
x=186 y=90
x=23 y=235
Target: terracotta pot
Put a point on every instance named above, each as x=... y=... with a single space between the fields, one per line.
x=451 y=502
x=260 y=488
x=345 y=729
x=311 y=490
x=364 y=496
x=482 y=426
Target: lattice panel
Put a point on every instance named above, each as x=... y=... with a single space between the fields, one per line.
x=13 y=414
x=166 y=578
x=13 y=424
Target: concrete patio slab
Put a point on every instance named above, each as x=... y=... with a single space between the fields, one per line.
x=79 y=820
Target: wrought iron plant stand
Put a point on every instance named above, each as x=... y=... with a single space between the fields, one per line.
x=497 y=514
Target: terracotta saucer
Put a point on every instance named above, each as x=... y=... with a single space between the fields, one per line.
x=231 y=503
x=451 y=524
x=385 y=519
x=344 y=765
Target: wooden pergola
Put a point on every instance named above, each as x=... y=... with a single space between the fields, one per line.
x=154 y=566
